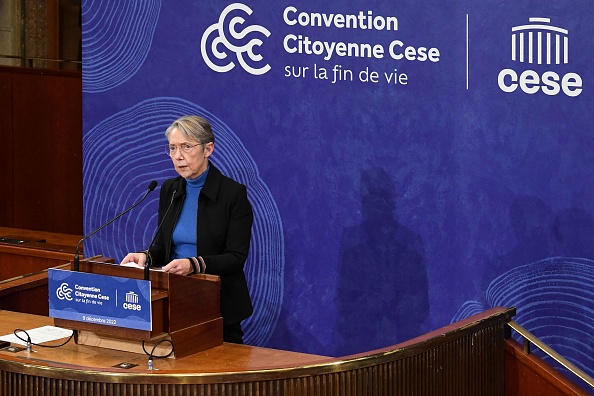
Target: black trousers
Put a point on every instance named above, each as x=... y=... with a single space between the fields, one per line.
x=233 y=333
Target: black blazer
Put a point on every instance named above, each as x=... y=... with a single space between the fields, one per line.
x=223 y=232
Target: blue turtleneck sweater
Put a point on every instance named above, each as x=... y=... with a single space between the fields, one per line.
x=184 y=234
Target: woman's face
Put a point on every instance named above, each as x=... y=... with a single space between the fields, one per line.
x=192 y=163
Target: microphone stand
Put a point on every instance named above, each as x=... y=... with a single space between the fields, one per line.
x=76 y=262
x=147 y=264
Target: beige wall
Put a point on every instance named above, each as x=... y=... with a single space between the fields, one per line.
x=52 y=32
x=9 y=31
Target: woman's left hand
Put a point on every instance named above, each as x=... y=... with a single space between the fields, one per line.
x=178 y=267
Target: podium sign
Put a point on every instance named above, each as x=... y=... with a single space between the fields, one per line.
x=100 y=299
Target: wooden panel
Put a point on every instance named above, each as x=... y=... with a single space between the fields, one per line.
x=39 y=251
x=25 y=294
x=18 y=260
x=53 y=32
x=6 y=191
x=46 y=142
x=527 y=375
x=47 y=153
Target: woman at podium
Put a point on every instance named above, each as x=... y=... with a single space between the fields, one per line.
x=205 y=222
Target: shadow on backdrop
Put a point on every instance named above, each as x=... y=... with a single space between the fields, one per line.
x=382 y=295
x=541 y=233
x=575 y=233
x=536 y=233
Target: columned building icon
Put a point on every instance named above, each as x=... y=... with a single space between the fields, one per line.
x=131 y=297
x=540 y=43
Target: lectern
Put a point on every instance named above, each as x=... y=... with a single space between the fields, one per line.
x=185 y=310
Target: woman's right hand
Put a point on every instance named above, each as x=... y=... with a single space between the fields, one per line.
x=138 y=258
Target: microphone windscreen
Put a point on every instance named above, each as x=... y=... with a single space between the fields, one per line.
x=152 y=186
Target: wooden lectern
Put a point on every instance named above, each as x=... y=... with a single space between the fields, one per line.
x=185 y=310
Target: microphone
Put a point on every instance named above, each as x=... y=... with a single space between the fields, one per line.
x=151 y=187
x=148 y=263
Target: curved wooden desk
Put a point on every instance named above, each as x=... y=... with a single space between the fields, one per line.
x=36 y=251
x=465 y=358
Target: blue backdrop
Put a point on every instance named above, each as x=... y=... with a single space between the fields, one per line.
x=409 y=163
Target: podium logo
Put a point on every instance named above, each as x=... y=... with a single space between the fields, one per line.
x=229 y=37
x=540 y=43
x=64 y=292
x=132 y=302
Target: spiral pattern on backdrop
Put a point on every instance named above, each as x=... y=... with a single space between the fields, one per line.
x=123 y=153
x=554 y=299
x=116 y=40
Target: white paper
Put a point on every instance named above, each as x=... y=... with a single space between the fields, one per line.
x=131 y=264
x=38 y=335
x=134 y=265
